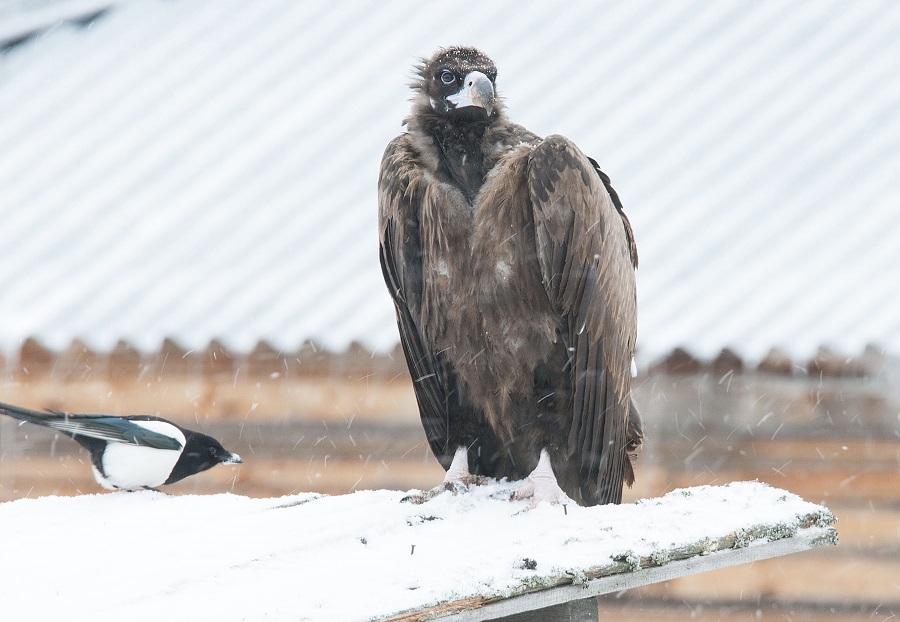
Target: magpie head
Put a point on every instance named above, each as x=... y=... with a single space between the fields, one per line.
x=224 y=456
x=201 y=452
x=215 y=453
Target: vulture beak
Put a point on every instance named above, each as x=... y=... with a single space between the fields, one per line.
x=233 y=459
x=477 y=91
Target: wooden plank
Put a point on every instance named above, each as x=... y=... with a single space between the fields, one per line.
x=616 y=577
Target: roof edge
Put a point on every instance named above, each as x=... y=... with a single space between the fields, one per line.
x=21 y=25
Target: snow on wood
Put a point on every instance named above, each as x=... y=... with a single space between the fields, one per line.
x=623 y=574
x=367 y=556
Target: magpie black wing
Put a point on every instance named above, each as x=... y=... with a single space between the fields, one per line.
x=97 y=426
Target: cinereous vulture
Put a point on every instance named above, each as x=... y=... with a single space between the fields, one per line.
x=511 y=266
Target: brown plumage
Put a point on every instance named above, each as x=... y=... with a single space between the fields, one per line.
x=511 y=266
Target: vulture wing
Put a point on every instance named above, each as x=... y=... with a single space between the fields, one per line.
x=402 y=188
x=587 y=258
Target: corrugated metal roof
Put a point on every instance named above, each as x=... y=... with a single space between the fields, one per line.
x=206 y=169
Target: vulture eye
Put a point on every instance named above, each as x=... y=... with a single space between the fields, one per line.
x=447 y=77
x=212 y=451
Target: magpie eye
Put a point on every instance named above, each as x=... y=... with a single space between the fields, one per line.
x=447 y=77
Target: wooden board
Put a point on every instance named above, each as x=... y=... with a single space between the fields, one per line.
x=622 y=575
x=627 y=580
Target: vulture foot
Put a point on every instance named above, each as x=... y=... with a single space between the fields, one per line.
x=456 y=486
x=541 y=486
x=541 y=491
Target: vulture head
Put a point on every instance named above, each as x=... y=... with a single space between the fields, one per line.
x=458 y=83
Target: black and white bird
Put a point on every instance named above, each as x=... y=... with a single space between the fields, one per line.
x=511 y=264
x=130 y=453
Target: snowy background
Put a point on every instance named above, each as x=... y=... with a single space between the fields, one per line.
x=202 y=169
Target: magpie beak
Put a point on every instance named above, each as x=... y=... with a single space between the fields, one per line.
x=233 y=459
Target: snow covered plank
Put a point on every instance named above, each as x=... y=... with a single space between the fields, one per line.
x=805 y=530
x=620 y=576
x=367 y=556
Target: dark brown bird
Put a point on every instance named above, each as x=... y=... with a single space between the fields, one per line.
x=511 y=265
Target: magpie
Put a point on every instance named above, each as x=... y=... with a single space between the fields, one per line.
x=130 y=453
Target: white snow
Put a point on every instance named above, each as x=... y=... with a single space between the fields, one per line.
x=149 y=556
